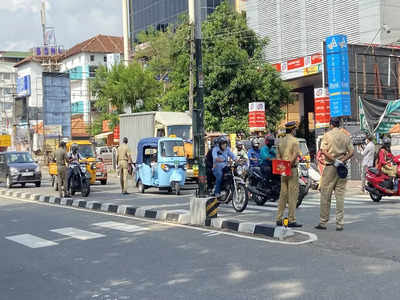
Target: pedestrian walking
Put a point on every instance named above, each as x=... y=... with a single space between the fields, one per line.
x=337 y=148
x=289 y=149
x=124 y=159
x=368 y=154
x=61 y=162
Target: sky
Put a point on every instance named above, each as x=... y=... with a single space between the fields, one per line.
x=74 y=20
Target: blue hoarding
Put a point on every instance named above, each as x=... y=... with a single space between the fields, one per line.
x=337 y=61
x=57 y=101
x=24 y=86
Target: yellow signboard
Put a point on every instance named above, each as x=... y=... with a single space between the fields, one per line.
x=5 y=140
x=232 y=137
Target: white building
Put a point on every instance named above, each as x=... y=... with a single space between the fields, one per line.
x=297 y=28
x=81 y=61
x=8 y=77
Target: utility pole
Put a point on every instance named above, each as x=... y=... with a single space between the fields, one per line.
x=125 y=31
x=192 y=52
x=198 y=111
x=43 y=19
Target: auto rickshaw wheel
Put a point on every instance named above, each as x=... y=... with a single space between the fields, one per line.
x=140 y=187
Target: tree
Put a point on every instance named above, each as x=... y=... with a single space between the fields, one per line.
x=235 y=71
x=124 y=86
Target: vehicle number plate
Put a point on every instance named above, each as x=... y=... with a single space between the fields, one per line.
x=99 y=174
x=27 y=174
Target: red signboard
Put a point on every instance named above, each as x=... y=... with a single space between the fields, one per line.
x=277 y=67
x=295 y=63
x=321 y=108
x=116 y=133
x=257 y=116
x=316 y=59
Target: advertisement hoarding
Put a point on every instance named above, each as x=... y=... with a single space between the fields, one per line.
x=321 y=108
x=257 y=120
x=24 y=86
x=338 y=75
x=57 y=101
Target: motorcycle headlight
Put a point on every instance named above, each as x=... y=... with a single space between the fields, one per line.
x=83 y=169
x=13 y=171
x=239 y=170
x=93 y=166
x=304 y=173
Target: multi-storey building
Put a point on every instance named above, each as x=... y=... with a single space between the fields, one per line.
x=161 y=13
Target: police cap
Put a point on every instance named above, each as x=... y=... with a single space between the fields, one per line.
x=291 y=125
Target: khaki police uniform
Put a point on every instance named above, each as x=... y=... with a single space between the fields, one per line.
x=338 y=144
x=288 y=147
x=61 y=161
x=124 y=154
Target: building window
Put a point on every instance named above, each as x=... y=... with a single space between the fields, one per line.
x=105 y=58
x=91 y=58
x=92 y=71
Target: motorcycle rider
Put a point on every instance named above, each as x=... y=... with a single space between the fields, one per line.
x=240 y=152
x=221 y=153
x=73 y=158
x=386 y=164
x=254 y=153
x=209 y=166
x=267 y=154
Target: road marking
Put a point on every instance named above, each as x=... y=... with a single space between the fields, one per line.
x=267 y=208
x=211 y=233
x=78 y=233
x=31 y=241
x=120 y=226
x=311 y=236
x=164 y=205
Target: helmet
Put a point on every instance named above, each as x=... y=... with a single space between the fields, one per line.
x=239 y=143
x=74 y=147
x=386 y=141
x=222 y=140
x=255 y=143
x=269 y=140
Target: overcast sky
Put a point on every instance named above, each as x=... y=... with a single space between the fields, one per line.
x=74 y=21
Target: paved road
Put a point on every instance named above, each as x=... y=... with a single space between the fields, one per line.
x=52 y=252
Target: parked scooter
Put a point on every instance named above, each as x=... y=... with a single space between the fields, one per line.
x=80 y=180
x=315 y=176
x=233 y=188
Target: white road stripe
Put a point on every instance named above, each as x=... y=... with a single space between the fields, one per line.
x=31 y=241
x=78 y=233
x=120 y=226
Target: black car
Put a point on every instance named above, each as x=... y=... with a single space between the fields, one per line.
x=19 y=168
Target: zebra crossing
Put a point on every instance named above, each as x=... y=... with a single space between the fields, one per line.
x=32 y=241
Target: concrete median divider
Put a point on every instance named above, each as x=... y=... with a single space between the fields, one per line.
x=202 y=210
x=109 y=207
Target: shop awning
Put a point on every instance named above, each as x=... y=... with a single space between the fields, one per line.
x=103 y=135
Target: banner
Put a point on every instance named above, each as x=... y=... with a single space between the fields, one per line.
x=337 y=61
x=378 y=116
x=257 y=120
x=321 y=108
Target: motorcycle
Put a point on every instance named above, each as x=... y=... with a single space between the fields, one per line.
x=379 y=184
x=262 y=190
x=80 y=180
x=315 y=176
x=233 y=187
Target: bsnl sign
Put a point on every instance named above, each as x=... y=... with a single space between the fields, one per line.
x=338 y=75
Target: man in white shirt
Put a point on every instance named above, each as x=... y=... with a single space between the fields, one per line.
x=368 y=154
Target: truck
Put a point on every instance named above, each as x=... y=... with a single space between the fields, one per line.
x=136 y=126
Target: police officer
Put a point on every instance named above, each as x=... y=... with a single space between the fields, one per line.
x=61 y=161
x=289 y=150
x=124 y=158
x=337 y=148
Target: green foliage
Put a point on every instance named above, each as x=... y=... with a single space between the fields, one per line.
x=130 y=86
x=235 y=71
